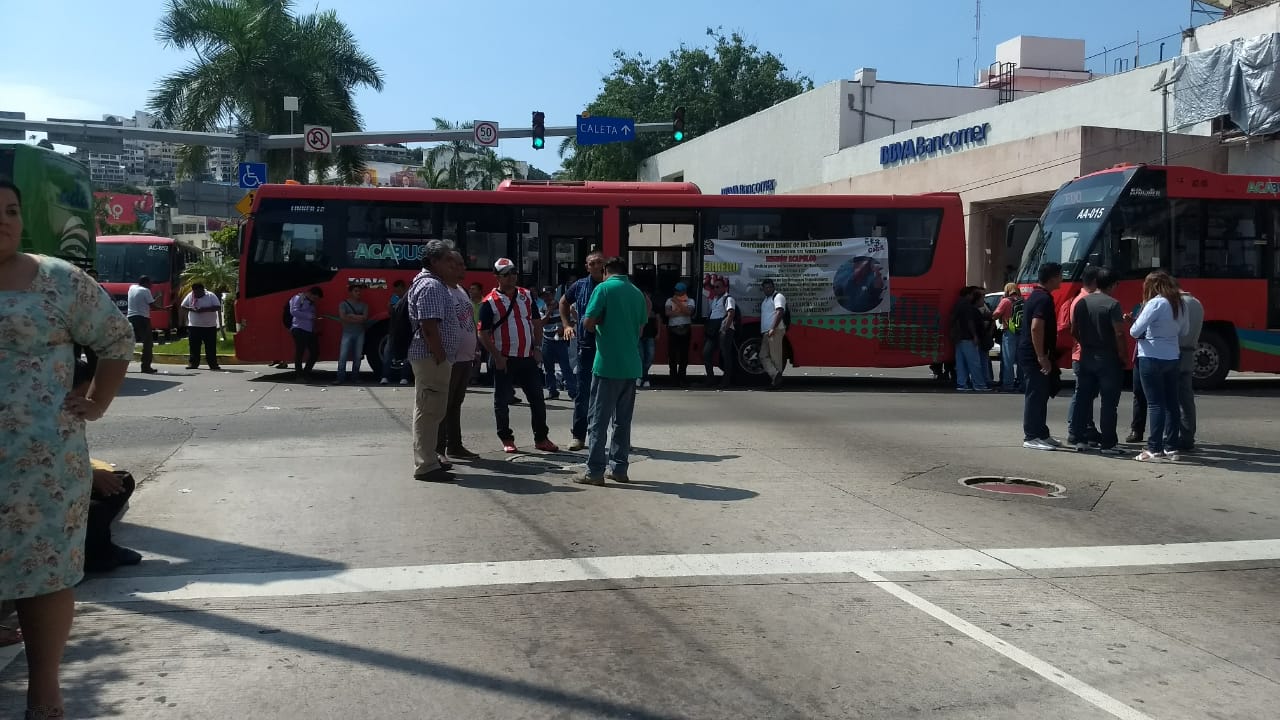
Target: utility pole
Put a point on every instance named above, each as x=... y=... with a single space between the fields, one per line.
x=291 y=105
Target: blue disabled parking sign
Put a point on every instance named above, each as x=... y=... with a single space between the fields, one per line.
x=252 y=175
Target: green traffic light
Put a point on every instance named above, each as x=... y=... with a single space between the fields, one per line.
x=538 y=143
x=679 y=135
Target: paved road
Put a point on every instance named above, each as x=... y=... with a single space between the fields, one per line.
x=801 y=554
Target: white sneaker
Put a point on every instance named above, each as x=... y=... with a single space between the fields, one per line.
x=1146 y=456
x=1052 y=441
x=384 y=381
x=1171 y=455
x=404 y=382
x=1037 y=445
x=577 y=444
x=647 y=384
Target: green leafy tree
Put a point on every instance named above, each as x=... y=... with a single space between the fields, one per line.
x=226 y=239
x=717 y=85
x=250 y=55
x=165 y=195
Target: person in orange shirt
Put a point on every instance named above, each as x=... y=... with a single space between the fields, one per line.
x=1066 y=314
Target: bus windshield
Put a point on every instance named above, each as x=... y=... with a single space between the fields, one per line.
x=126 y=262
x=1069 y=228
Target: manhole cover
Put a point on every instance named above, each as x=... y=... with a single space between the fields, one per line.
x=1015 y=486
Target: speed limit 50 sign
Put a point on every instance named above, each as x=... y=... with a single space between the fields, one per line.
x=486 y=133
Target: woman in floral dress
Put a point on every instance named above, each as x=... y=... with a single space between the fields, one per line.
x=46 y=306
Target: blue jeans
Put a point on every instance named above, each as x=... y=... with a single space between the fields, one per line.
x=351 y=348
x=556 y=352
x=613 y=401
x=1008 y=360
x=647 y=350
x=1160 y=385
x=1035 y=402
x=1185 y=437
x=969 y=366
x=582 y=402
x=1097 y=374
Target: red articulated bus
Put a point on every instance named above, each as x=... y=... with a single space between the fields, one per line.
x=869 y=279
x=122 y=259
x=1219 y=235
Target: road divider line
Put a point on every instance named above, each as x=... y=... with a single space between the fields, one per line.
x=632 y=567
x=1045 y=670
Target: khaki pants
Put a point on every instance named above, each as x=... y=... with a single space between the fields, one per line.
x=430 y=401
x=772 y=355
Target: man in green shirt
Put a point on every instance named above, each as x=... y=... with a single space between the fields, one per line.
x=616 y=314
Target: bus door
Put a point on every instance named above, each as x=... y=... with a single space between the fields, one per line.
x=658 y=244
x=553 y=243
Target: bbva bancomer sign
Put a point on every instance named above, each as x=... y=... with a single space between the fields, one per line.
x=925 y=146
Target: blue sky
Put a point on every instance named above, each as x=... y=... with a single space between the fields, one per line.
x=501 y=59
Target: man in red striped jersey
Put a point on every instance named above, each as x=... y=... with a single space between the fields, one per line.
x=511 y=331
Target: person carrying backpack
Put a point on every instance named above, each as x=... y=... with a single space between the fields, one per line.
x=1008 y=316
x=393 y=363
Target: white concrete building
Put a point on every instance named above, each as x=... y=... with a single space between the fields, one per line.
x=1005 y=149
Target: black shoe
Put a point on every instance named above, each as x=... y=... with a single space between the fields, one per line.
x=461 y=453
x=150 y=370
x=1133 y=437
x=215 y=368
x=193 y=367
x=439 y=475
x=127 y=557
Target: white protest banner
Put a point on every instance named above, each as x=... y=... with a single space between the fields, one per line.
x=818 y=277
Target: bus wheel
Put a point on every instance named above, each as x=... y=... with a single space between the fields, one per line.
x=374 y=341
x=1213 y=361
x=749 y=369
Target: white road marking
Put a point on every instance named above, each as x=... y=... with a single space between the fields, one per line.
x=1127 y=555
x=527 y=572
x=524 y=572
x=1063 y=680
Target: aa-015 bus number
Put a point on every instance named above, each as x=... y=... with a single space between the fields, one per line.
x=1091 y=213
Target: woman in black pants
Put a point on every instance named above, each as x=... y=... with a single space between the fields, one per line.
x=679 y=326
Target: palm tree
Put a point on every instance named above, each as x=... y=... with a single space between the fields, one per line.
x=213 y=272
x=453 y=157
x=250 y=55
x=489 y=169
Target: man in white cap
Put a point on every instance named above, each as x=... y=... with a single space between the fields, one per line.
x=511 y=331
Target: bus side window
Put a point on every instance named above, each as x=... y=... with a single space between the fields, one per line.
x=1188 y=239
x=482 y=233
x=1231 y=248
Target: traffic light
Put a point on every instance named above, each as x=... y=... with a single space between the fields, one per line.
x=677 y=123
x=539 y=130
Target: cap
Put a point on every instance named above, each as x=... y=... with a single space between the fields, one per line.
x=504 y=266
x=681 y=287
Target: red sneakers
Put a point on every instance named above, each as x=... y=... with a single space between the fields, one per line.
x=545 y=445
x=509 y=446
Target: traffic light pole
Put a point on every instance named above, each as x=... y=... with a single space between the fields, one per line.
x=253 y=143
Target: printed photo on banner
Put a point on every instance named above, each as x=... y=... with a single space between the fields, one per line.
x=847 y=276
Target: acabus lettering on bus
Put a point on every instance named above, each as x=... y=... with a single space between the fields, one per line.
x=399 y=252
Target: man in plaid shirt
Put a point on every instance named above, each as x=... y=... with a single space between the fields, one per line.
x=435 y=340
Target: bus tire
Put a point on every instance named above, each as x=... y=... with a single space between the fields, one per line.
x=374 y=338
x=1212 y=362
x=747 y=369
